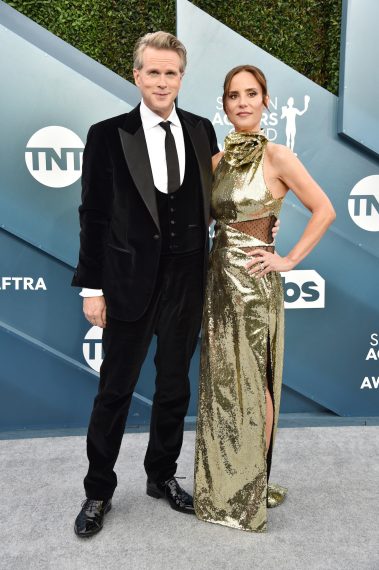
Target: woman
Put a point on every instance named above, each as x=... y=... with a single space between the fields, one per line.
x=243 y=326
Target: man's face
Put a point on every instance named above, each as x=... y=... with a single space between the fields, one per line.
x=159 y=79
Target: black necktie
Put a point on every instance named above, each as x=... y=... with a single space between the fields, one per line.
x=173 y=172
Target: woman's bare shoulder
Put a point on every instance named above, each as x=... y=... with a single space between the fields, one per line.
x=216 y=159
x=278 y=152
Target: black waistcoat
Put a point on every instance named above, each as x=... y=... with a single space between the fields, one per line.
x=181 y=215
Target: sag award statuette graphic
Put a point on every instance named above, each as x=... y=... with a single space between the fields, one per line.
x=289 y=112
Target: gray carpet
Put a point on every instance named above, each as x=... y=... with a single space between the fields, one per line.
x=329 y=520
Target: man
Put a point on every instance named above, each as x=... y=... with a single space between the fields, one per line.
x=143 y=251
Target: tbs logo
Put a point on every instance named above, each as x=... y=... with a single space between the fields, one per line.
x=364 y=203
x=54 y=156
x=303 y=289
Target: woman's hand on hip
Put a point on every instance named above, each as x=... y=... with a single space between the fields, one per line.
x=263 y=262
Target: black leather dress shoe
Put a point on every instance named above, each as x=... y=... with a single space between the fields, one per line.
x=90 y=519
x=177 y=497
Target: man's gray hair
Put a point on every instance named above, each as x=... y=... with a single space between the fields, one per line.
x=159 y=40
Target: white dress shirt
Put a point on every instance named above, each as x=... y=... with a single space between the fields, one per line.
x=155 y=141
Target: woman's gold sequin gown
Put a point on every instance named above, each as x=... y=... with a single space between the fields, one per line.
x=242 y=346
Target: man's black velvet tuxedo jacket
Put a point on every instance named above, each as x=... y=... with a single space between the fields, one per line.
x=120 y=237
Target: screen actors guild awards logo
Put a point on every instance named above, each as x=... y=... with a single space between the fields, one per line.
x=372 y=382
x=270 y=119
x=22 y=284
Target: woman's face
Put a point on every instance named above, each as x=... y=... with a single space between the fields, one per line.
x=244 y=102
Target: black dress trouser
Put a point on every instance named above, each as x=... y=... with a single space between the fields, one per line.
x=174 y=315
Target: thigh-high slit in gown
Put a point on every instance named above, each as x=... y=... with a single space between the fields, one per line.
x=242 y=346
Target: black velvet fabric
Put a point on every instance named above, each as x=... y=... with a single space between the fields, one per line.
x=174 y=315
x=120 y=237
x=146 y=292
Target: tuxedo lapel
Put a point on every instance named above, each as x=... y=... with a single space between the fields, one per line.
x=137 y=158
x=200 y=143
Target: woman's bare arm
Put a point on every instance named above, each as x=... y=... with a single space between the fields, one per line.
x=291 y=172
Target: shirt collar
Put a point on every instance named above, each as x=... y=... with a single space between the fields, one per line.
x=151 y=119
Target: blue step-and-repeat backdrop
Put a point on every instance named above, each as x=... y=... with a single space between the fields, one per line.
x=50 y=95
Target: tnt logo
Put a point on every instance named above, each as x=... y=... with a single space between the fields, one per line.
x=54 y=156
x=303 y=289
x=364 y=203
x=93 y=349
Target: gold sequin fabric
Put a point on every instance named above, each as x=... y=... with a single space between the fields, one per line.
x=244 y=148
x=242 y=347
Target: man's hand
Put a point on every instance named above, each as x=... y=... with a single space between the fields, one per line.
x=94 y=310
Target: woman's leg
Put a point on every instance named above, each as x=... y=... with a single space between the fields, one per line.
x=269 y=418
